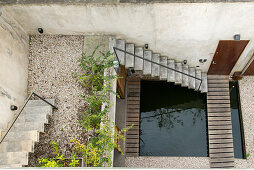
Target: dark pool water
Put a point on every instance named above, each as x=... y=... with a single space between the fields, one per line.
x=173 y=121
x=236 y=120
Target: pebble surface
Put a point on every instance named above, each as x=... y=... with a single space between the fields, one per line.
x=52 y=60
x=246 y=86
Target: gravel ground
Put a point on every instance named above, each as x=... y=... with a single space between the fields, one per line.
x=246 y=86
x=52 y=60
x=167 y=162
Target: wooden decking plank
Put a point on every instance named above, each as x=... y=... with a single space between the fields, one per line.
x=220 y=141
x=133 y=99
x=218 y=97
x=214 y=93
x=226 y=85
x=133 y=132
x=133 y=102
x=218 y=105
x=221 y=145
x=135 y=141
x=219 y=118
x=221 y=109
x=222 y=159
x=214 y=123
x=221 y=155
x=132 y=145
x=218 y=89
x=134 y=150
x=217 y=81
x=133 y=106
x=132 y=154
x=220 y=136
x=218 y=101
x=132 y=136
x=221 y=150
x=225 y=114
x=228 y=131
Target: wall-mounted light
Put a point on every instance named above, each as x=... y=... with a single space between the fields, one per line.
x=40 y=30
x=237 y=37
x=13 y=107
x=202 y=60
x=184 y=61
x=146 y=46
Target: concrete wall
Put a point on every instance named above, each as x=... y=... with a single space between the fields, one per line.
x=13 y=67
x=178 y=30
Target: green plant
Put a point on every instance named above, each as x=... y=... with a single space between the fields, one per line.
x=58 y=160
x=97 y=150
x=247 y=155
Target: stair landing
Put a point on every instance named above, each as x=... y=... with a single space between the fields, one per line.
x=221 y=150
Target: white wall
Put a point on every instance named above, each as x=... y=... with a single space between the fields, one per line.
x=178 y=30
x=13 y=67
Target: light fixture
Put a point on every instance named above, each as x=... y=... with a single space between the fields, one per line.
x=184 y=61
x=13 y=107
x=146 y=46
x=237 y=37
x=40 y=30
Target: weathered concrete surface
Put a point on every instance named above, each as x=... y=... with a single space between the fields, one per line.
x=180 y=31
x=246 y=86
x=13 y=66
x=112 y=1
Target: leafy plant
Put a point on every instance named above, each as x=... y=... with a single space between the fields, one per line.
x=247 y=155
x=58 y=160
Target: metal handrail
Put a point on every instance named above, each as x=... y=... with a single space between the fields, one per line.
x=156 y=63
x=22 y=108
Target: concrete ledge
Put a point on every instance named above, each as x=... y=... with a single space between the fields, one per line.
x=113 y=1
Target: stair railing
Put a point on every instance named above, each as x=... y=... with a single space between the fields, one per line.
x=22 y=108
x=156 y=64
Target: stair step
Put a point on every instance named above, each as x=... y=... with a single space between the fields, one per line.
x=38 y=125
x=121 y=55
x=37 y=109
x=37 y=103
x=22 y=135
x=11 y=166
x=17 y=146
x=178 y=76
x=33 y=117
x=185 y=78
x=14 y=158
x=139 y=62
x=147 y=65
x=163 y=70
x=191 y=80
x=203 y=87
x=129 y=59
x=197 y=82
x=155 y=67
x=171 y=73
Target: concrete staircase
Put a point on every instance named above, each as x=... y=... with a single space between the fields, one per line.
x=21 y=138
x=147 y=68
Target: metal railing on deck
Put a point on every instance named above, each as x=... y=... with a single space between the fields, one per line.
x=22 y=108
x=156 y=64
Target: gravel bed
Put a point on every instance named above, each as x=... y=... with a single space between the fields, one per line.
x=52 y=60
x=246 y=86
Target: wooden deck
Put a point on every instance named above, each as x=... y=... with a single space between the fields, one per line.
x=133 y=111
x=221 y=148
